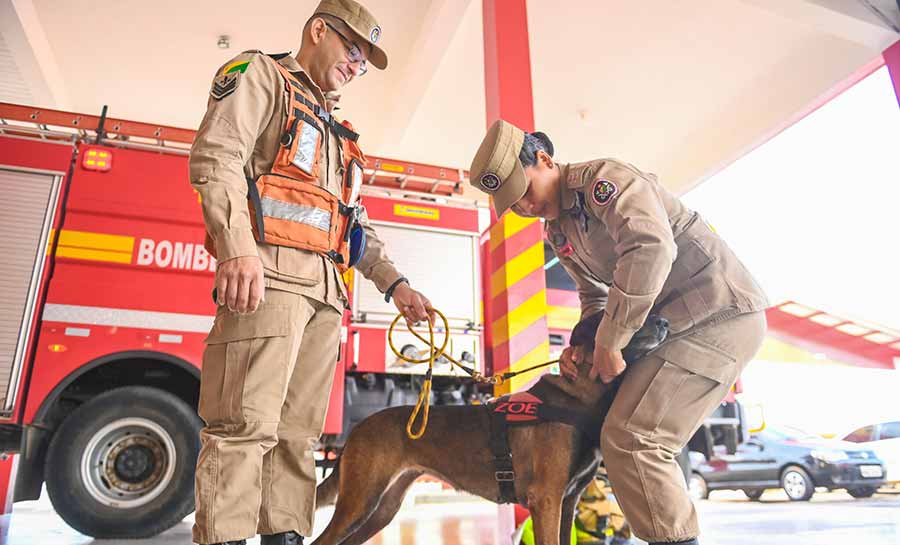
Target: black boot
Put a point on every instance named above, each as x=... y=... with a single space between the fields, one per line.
x=688 y=542
x=284 y=538
x=236 y=542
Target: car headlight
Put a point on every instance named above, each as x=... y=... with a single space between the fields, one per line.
x=829 y=455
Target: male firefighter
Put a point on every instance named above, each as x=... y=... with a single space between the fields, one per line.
x=279 y=180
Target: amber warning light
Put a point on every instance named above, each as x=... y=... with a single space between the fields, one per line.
x=97 y=159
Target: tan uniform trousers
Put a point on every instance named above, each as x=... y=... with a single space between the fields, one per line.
x=264 y=391
x=659 y=406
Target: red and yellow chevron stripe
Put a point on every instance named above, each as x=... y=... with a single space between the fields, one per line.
x=518 y=298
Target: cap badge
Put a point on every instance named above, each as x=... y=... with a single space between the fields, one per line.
x=375 y=34
x=490 y=181
x=603 y=192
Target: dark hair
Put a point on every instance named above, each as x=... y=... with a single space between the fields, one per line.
x=534 y=142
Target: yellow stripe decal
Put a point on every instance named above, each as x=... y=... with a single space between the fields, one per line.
x=96 y=241
x=50 y=241
x=93 y=255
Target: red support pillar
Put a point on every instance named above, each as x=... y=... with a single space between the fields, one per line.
x=507 y=63
x=892 y=61
x=517 y=296
x=516 y=292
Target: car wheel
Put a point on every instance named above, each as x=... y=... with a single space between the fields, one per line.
x=754 y=493
x=122 y=464
x=797 y=483
x=697 y=487
x=862 y=491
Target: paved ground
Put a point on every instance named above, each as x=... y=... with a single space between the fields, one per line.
x=440 y=518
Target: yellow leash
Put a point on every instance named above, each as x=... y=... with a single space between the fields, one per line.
x=433 y=354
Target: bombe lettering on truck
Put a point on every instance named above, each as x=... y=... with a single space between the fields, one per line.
x=166 y=254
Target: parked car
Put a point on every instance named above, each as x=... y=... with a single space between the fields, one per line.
x=884 y=439
x=783 y=457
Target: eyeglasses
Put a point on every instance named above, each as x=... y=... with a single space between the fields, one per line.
x=354 y=54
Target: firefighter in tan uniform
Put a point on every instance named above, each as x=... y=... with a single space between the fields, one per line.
x=279 y=181
x=634 y=248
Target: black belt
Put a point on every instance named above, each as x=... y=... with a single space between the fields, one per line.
x=503 y=461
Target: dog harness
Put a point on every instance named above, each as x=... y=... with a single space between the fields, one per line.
x=528 y=409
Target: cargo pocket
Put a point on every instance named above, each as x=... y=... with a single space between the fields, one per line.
x=698 y=357
x=655 y=401
x=238 y=358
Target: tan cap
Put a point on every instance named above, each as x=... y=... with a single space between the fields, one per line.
x=361 y=21
x=496 y=169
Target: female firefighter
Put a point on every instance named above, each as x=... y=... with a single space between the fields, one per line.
x=633 y=248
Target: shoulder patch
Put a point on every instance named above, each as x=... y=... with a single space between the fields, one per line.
x=236 y=66
x=225 y=84
x=603 y=191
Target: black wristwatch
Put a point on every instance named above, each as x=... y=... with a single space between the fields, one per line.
x=388 y=293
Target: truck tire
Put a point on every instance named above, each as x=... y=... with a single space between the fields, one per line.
x=122 y=464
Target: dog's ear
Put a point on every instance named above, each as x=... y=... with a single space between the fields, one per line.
x=649 y=336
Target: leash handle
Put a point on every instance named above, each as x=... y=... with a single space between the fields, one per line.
x=422 y=405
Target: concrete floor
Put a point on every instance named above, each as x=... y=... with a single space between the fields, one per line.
x=435 y=517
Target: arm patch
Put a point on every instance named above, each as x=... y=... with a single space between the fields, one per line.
x=225 y=84
x=603 y=191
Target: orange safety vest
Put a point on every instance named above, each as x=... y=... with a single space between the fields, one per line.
x=288 y=205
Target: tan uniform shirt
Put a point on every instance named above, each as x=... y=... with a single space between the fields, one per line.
x=239 y=139
x=634 y=248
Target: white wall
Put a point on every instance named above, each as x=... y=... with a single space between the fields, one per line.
x=815 y=212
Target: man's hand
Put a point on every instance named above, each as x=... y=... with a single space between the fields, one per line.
x=414 y=306
x=239 y=283
x=568 y=362
x=608 y=364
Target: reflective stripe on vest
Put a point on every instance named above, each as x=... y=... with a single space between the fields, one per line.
x=298 y=213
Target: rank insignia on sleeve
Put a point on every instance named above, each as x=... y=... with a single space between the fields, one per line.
x=224 y=85
x=603 y=192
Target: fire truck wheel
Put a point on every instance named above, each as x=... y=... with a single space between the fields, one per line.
x=122 y=464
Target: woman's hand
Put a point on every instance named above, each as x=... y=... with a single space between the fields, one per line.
x=569 y=360
x=608 y=364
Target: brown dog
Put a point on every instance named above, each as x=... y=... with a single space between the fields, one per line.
x=553 y=462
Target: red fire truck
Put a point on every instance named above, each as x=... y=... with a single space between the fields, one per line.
x=106 y=300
